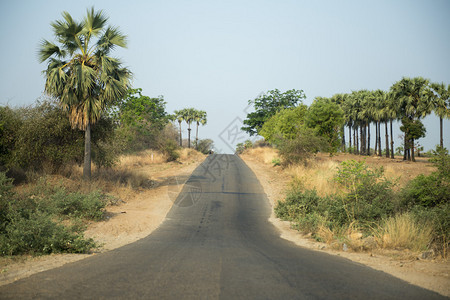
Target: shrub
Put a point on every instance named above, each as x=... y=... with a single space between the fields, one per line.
x=301 y=148
x=368 y=195
x=33 y=223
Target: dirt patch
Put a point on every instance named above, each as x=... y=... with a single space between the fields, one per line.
x=137 y=214
x=429 y=274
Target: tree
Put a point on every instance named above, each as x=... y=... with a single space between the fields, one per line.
x=178 y=115
x=326 y=118
x=81 y=74
x=268 y=105
x=141 y=119
x=441 y=103
x=415 y=98
x=199 y=118
x=188 y=117
x=285 y=124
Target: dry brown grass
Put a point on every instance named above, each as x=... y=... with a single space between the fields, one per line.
x=317 y=174
x=262 y=154
x=319 y=171
x=403 y=232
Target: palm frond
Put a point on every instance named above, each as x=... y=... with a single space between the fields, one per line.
x=48 y=49
x=94 y=22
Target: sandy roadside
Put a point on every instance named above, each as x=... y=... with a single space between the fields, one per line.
x=139 y=215
x=429 y=274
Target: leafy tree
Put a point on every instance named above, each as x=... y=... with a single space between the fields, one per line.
x=81 y=74
x=205 y=146
x=10 y=122
x=415 y=98
x=141 y=119
x=326 y=118
x=199 y=118
x=441 y=106
x=285 y=124
x=269 y=104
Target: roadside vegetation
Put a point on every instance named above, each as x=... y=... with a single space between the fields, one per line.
x=63 y=158
x=351 y=204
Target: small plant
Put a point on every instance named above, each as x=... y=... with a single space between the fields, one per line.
x=276 y=161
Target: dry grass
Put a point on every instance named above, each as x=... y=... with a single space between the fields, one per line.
x=403 y=232
x=141 y=159
x=319 y=171
x=263 y=154
x=317 y=174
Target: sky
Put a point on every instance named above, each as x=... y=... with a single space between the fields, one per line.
x=218 y=55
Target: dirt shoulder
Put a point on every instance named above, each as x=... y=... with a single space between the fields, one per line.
x=429 y=274
x=137 y=215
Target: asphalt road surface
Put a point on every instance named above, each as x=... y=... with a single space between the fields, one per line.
x=216 y=243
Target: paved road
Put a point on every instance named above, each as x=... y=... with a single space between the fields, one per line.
x=215 y=243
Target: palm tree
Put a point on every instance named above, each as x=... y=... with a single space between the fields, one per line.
x=80 y=72
x=178 y=115
x=199 y=118
x=188 y=116
x=441 y=106
x=415 y=98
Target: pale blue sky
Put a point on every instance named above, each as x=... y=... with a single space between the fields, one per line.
x=216 y=55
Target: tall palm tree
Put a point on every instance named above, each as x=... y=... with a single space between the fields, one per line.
x=81 y=74
x=441 y=106
x=178 y=115
x=199 y=118
x=188 y=116
x=415 y=99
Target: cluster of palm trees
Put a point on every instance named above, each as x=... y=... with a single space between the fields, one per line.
x=408 y=100
x=190 y=115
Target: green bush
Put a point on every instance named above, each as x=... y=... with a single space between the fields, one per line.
x=298 y=150
x=33 y=223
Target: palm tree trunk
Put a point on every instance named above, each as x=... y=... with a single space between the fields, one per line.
x=350 y=139
x=405 y=145
x=376 y=137
x=343 y=138
x=412 y=150
x=362 y=150
x=387 y=138
x=379 y=139
x=441 y=142
x=196 y=138
x=189 y=137
x=368 y=139
x=181 y=140
x=87 y=153
x=392 y=143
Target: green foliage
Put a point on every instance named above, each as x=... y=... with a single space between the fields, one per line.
x=285 y=124
x=170 y=149
x=205 y=146
x=42 y=139
x=240 y=148
x=10 y=121
x=33 y=223
x=367 y=193
x=326 y=118
x=414 y=129
x=301 y=148
x=432 y=190
x=276 y=161
x=141 y=120
x=269 y=104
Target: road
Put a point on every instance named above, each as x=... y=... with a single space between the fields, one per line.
x=216 y=243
